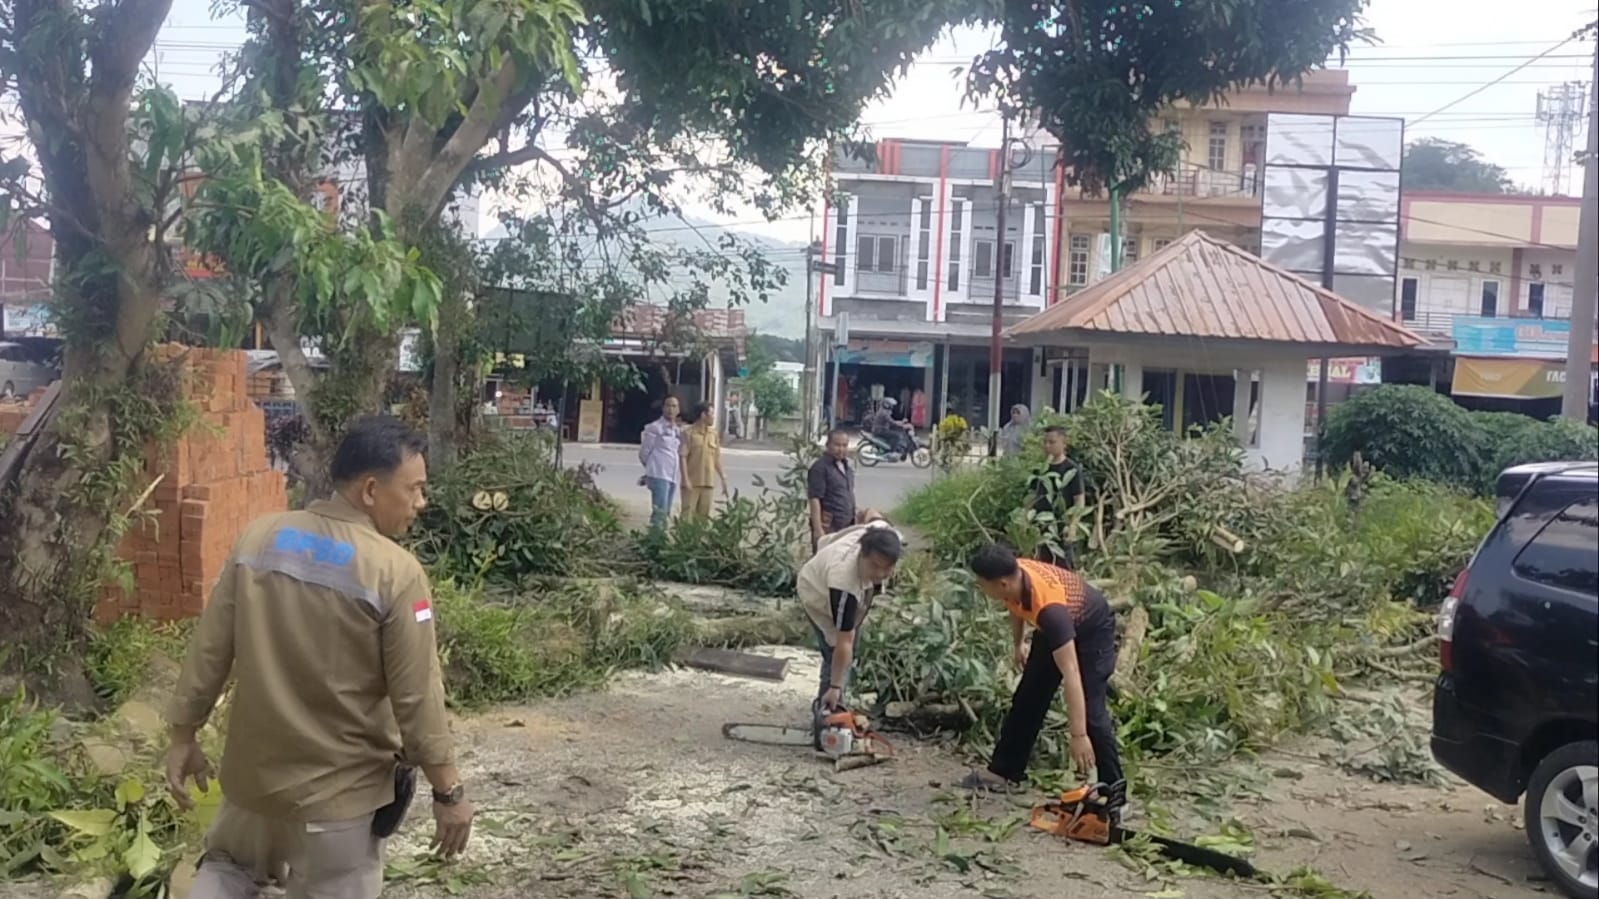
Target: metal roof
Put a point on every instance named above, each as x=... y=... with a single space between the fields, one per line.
x=1202 y=287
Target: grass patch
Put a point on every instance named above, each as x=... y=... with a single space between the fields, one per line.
x=120 y=657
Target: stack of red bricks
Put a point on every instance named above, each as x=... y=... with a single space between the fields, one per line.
x=214 y=481
x=15 y=411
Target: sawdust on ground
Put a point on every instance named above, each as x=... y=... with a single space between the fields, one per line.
x=634 y=792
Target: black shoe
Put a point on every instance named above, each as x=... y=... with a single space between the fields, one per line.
x=980 y=781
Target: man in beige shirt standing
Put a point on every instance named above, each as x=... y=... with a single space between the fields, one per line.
x=326 y=625
x=702 y=463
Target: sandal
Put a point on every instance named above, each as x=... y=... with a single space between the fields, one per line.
x=979 y=780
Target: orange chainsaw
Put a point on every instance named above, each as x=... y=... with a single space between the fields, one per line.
x=843 y=733
x=1092 y=814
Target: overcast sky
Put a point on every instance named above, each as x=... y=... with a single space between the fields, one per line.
x=1433 y=53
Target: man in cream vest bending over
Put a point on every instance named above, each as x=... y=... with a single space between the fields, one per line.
x=836 y=588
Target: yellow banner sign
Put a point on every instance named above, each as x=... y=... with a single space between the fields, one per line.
x=1526 y=379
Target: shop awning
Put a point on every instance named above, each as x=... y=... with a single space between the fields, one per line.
x=1507 y=378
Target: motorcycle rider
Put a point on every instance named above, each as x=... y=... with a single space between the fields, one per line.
x=897 y=434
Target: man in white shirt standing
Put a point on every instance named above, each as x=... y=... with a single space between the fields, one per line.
x=836 y=588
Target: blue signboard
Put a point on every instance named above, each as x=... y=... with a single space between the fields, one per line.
x=1533 y=338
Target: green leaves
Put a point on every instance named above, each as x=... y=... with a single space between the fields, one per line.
x=432 y=59
x=1098 y=74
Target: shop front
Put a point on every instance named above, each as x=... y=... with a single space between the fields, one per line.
x=869 y=369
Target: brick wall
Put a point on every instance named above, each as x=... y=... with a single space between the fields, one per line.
x=15 y=411
x=215 y=480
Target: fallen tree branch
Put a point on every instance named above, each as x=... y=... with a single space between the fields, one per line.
x=1417 y=676
x=1409 y=649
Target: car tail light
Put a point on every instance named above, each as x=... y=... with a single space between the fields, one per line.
x=1446 y=622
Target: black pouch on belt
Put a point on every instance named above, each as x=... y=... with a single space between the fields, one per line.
x=386 y=821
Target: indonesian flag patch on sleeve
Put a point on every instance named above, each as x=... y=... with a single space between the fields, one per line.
x=423 y=608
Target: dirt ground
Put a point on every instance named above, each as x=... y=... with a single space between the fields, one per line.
x=634 y=792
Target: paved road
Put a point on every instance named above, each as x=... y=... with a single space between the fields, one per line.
x=881 y=488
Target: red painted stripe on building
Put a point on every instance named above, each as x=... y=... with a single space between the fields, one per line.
x=938 y=259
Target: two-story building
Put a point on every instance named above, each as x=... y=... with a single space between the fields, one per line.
x=1488 y=279
x=913 y=250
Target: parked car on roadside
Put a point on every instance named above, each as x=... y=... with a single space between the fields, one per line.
x=22 y=370
x=1516 y=709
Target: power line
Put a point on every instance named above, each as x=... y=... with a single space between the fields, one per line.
x=1472 y=93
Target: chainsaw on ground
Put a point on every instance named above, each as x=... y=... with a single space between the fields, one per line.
x=1092 y=814
x=843 y=735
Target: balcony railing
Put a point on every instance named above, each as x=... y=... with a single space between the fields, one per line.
x=1493 y=335
x=1198 y=182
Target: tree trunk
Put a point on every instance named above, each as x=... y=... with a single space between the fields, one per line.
x=443 y=403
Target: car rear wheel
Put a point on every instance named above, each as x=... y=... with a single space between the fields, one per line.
x=1562 y=809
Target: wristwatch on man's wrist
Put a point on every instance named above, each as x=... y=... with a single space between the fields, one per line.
x=452 y=796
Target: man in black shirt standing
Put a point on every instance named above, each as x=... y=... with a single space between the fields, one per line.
x=1056 y=489
x=830 y=486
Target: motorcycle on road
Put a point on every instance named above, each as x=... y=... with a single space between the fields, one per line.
x=873 y=449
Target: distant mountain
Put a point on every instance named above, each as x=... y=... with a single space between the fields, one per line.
x=783 y=314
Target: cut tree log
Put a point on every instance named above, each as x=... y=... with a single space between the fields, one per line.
x=931 y=716
x=729 y=661
x=1228 y=540
x=1135 y=630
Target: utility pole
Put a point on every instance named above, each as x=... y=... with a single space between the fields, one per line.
x=1585 y=291
x=808 y=386
x=996 y=353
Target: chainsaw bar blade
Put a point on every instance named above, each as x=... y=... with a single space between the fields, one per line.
x=1189 y=854
x=769 y=734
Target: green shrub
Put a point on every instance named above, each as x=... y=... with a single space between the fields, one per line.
x=498 y=647
x=119 y=657
x=1510 y=439
x=1408 y=432
x=1415 y=432
x=59 y=816
x=748 y=545
x=505 y=512
x=1406 y=541
x=969 y=508
x=753 y=544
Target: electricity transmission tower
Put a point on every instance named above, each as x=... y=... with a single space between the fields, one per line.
x=1560 y=110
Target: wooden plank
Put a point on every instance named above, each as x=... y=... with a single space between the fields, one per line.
x=738 y=664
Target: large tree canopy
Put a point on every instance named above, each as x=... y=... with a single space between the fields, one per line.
x=1435 y=164
x=1098 y=73
x=579 y=110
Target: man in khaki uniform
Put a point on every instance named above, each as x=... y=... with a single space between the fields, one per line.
x=326 y=625
x=702 y=463
x=836 y=588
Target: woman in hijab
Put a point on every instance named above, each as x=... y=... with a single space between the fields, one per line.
x=1010 y=436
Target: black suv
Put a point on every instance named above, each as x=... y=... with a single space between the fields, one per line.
x=1516 y=709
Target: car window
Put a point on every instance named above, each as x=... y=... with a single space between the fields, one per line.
x=1563 y=554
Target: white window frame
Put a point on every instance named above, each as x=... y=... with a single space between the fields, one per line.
x=983 y=267
x=1080 y=248
x=1216 y=149
x=1482 y=297
x=865 y=253
x=1415 y=298
x=923 y=272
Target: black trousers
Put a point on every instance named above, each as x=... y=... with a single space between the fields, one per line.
x=1096 y=660
x=1067 y=558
